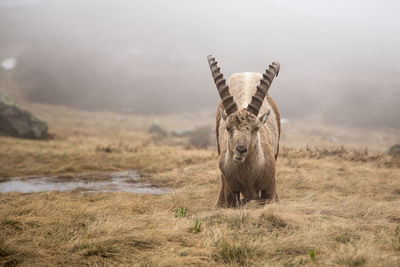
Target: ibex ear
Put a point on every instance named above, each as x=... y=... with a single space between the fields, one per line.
x=223 y=114
x=264 y=117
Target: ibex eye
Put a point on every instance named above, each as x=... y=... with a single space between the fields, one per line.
x=229 y=129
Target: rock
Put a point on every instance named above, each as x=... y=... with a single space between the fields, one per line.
x=394 y=150
x=155 y=128
x=17 y=122
x=6 y=99
x=201 y=136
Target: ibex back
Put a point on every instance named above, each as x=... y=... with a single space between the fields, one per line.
x=248 y=144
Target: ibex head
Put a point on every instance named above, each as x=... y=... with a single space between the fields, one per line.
x=243 y=125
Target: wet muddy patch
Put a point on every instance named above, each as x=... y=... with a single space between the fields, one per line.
x=126 y=181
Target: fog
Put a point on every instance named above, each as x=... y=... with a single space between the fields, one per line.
x=339 y=59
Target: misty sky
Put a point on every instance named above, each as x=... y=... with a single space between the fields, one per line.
x=338 y=58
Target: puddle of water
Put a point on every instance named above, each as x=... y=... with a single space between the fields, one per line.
x=127 y=181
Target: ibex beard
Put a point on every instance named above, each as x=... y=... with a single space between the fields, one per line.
x=248 y=143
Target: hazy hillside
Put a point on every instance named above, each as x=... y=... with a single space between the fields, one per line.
x=338 y=59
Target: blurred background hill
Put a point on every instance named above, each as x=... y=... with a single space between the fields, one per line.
x=339 y=59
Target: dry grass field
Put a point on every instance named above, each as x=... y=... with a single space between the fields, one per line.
x=340 y=206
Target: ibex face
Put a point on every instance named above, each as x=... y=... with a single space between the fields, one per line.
x=242 y=127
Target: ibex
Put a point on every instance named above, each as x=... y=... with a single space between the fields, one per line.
x=248 y=144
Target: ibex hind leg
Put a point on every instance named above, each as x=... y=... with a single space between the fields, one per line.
x=233 y=199
x=268 y=197
x=249 y=196
x=268 y=193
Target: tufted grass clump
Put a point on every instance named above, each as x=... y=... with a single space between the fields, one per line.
x=352 y=256
x=396 y=239
x=227 y=251
x=197 y=226
x=352 y=261
x=238 y=219
x=312 y=254
x=8 y=255
x=180 y=212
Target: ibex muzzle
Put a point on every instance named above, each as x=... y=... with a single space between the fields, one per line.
x=241 y=149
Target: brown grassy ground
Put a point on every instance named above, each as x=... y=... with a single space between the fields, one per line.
x=339 y=206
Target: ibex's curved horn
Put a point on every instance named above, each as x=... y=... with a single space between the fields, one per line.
x=223 y=89
x=262 y=89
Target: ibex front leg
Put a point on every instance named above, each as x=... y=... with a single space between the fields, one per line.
x=233 y=198
x=232 y=195
x=222 y=199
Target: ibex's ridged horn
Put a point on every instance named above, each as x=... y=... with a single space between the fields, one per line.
x=262 y=89
x=223 y=89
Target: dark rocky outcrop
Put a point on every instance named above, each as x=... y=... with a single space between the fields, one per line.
x=156 y=129
x=199 y=137
x=394 y=150
x=17 y=122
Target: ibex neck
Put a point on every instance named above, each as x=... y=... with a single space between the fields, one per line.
x=256 y=157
